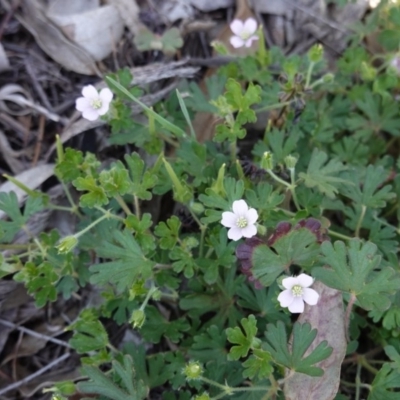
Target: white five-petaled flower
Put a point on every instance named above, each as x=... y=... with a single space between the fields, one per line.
x=241 y=221
x=93 y=104
x=245 y=32
x=297 y=292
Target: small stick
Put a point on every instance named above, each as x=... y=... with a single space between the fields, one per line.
x=33 y=333
x=29 y=378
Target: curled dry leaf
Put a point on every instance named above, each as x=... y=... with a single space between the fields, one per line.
x=53 y=42
x=18 y=95
x=328 y=318
x=96 y=31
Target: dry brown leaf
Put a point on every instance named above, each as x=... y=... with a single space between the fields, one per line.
x=97 y=31
x=211 y=5
x=53 y=42
x=328 y=318
x=4 y=63
x=129 y=12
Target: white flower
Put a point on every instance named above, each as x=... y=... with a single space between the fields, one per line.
x=241 y=221
x=245 y=32
x=93 y=104
x=297 y=292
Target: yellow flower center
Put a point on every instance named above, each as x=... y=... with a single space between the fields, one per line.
x=241 y=222
x=297 y=290
x=96 y=103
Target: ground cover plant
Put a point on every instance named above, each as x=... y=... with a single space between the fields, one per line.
x=275 y=275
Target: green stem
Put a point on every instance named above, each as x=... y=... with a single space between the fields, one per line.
x=148 y=296
x=360 y=220
x=293 y=188
x=276 y=178
x=230 y=390
x=309 y=73
x=339 y=235
x=350 y=304
x=232 y=147
x=274 y=106
x=167 y=139
x=137 y=206
x=203 y=229
x=364 y=363
x=123 y=204
x=94 y=223
x=358 y=382
x=75 y=208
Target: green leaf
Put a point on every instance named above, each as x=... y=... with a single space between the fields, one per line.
x=303 y=336
x=390 y=39
x=96 y=195
x=89 y=333
x=168 y=232
x=322 y=175
x=68 y=169
x=141 y=231
x=258 y=364
x=115 y=181
x=244 y=342
x=40 y=280
x=369 y=191
x=356 y=269
x=9 y=204
x=127 y=386
x=385 y=381
x=210 y=345
x=129 y=262
x=299 y=247
x=156 y=327
x=264 y=198
x=171 y=40
x=163 y=122
x=142 y=180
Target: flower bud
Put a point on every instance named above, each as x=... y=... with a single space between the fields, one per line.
x=267 y=161
x=156 y=295
x=219 y=48
x=328 y=78
x=315 y=53
x=290 y=162
x=367 y=72
x=137 y=318
x=197 y=208
x=261 y=230
x=193 y=370
x=67 y=244
x=203 y=396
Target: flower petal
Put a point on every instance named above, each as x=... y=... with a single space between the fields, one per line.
x=305 y=280
x=297 y=306
x=106 y=95
x=250 y=26
x=252 y=216
x=90 y=114
x=82 y=104
x=285 y=298
x=90 y=92
x=236 y=42
x=236 y=26
x=103 y=109
x=240 y=207
x=228 y=219
x=250 y=40
x=235 y=233
x=310 y=296
x=289 y=282
x=249 y=231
